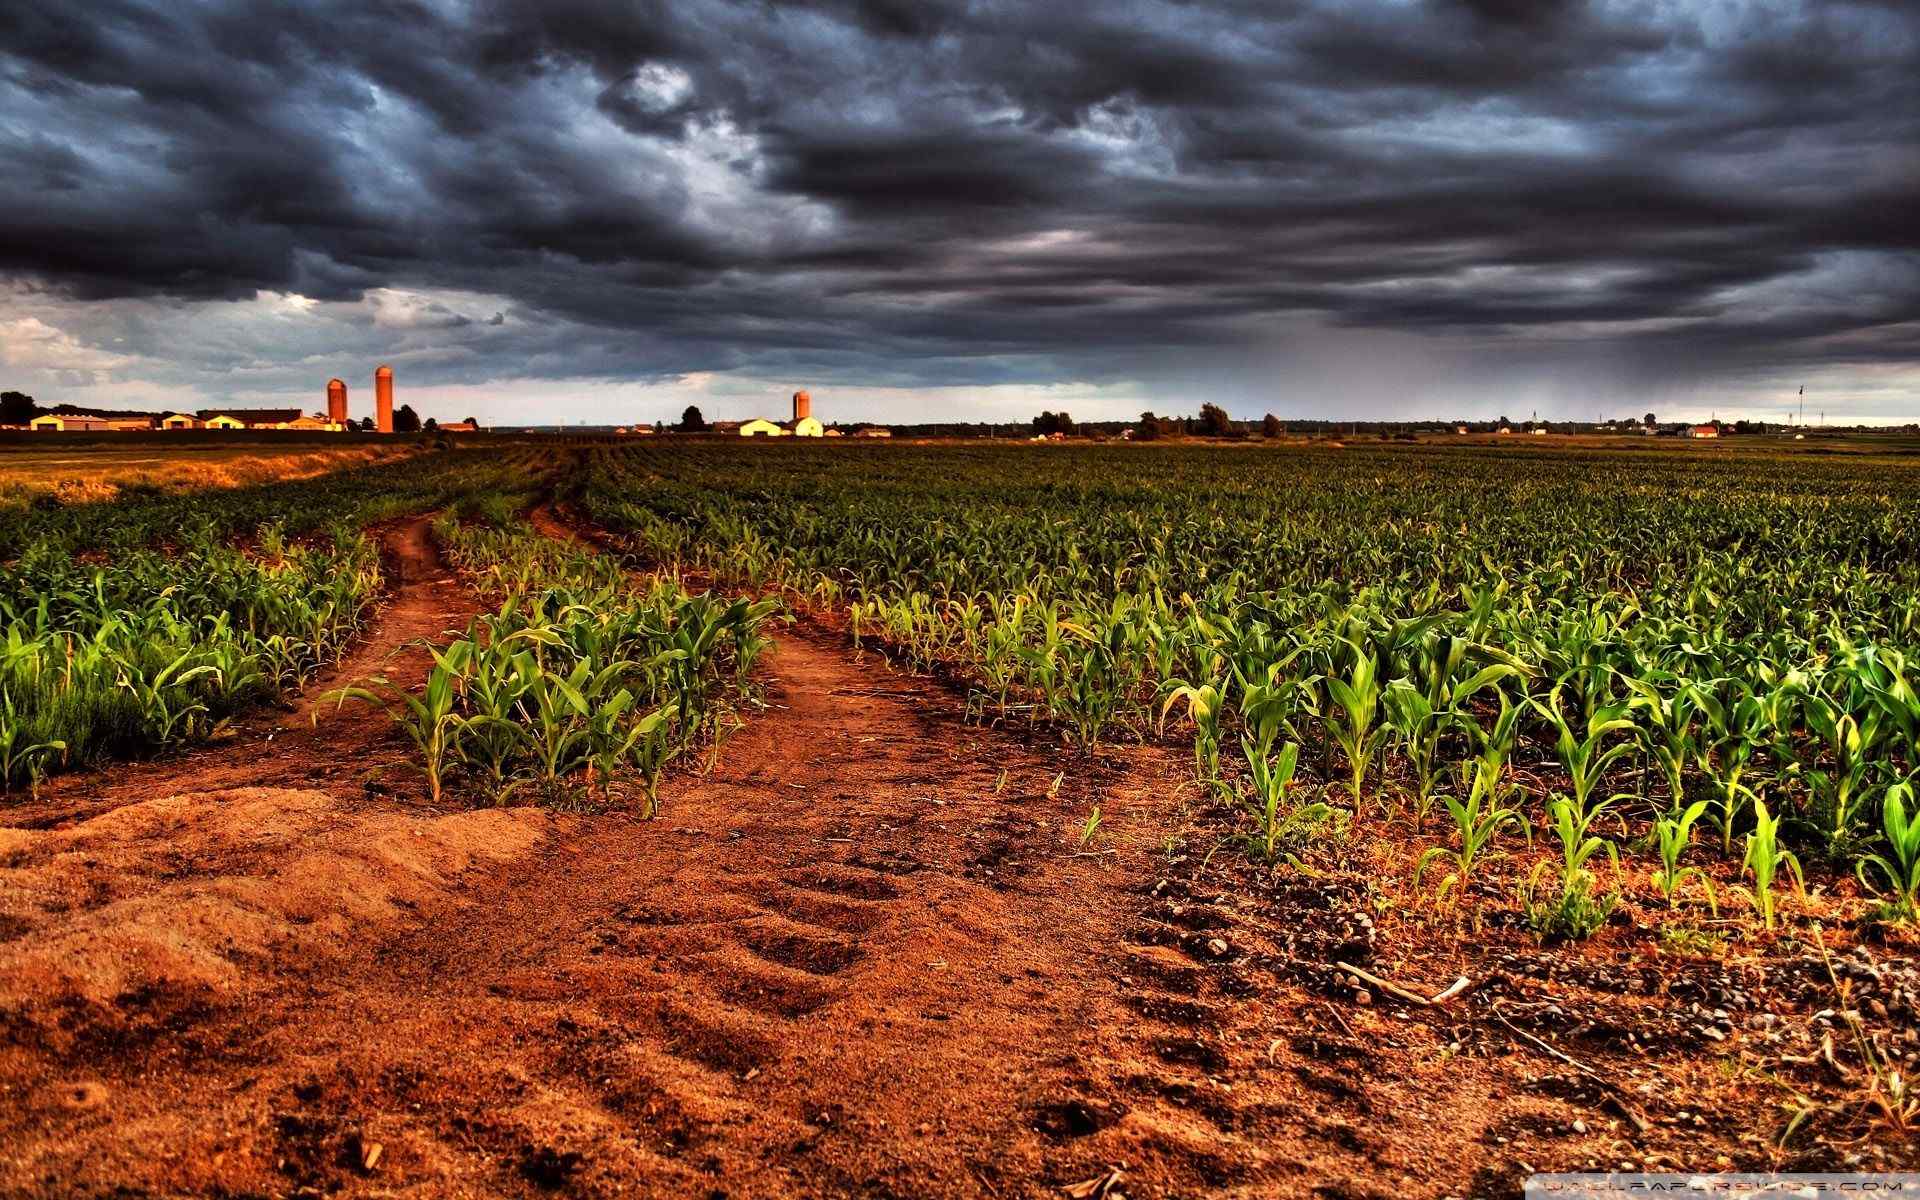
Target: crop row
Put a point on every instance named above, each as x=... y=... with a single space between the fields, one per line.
x=581 y=681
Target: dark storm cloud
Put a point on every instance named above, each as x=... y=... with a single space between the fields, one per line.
x=934 y=190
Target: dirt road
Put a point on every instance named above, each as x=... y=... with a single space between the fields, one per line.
x=865 y=954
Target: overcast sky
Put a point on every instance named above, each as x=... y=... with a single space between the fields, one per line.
x=560 y=210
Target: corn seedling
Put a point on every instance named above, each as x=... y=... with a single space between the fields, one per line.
x=1899 y=867
x=1476 y=823
x=429 y=719
x=1357 y=697
x=1090 y=828
x=1765 y=858
x=1275 y=822
x=1674 y=835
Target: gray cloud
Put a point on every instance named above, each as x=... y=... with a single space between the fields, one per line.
x=950 y=192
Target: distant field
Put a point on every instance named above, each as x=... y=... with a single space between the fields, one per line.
x=98 y=469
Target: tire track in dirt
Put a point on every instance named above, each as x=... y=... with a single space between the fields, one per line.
x=284 y=746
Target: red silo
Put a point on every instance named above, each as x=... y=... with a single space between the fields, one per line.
x=802 y=406
x=337 y=401
x=383 y=399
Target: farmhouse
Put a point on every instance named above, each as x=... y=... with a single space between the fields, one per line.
x=761 y=427
x=174 y=420
x=1704 y=431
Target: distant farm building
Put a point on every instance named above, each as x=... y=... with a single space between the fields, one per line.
x=873 y=431
x=1704 y=431
x=179 y=421
x=803 y=424
x=68 y=423
x=264 y=418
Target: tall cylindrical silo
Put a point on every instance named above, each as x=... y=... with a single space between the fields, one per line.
x=383 y=398
x=337 y=401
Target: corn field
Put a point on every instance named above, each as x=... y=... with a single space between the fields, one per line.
x=1602 y=652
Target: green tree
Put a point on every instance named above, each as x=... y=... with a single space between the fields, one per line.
x=17 y=408
x=1214 y=421
x=691 y=421
x=406 y=420
x=1270 y=426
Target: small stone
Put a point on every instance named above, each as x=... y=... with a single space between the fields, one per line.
x=1579 y=1126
